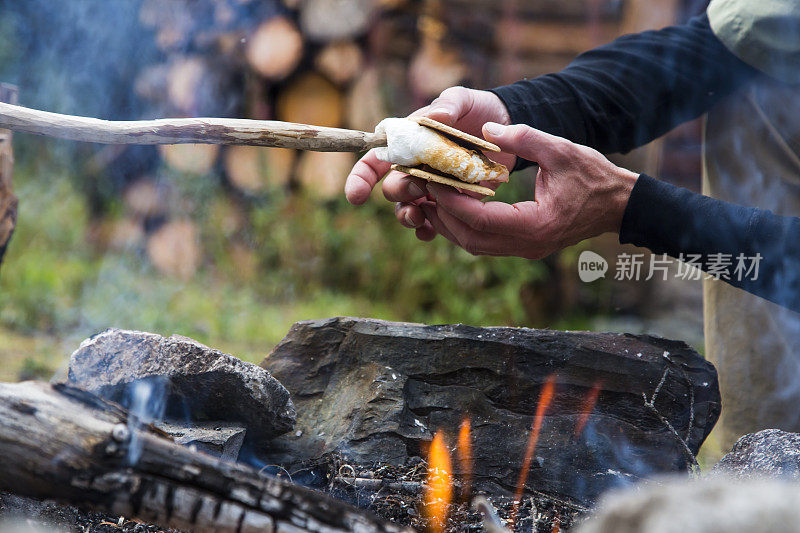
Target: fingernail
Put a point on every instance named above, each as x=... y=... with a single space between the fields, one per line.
x=493 y=128
x=409 y=222
x=414 y=190
x=440 y=111
x=432 y=190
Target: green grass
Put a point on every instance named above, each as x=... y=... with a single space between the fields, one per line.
x=314 y=260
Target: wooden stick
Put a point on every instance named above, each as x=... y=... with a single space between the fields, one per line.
x=8 y=202
x=62 y=443
x=188 y=130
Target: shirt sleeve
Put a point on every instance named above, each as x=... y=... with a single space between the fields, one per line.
x=622 y=95
x=750 y=248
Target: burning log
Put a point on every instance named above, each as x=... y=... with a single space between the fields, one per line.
x=8 y=202
x=63 y=443
x=378 y=391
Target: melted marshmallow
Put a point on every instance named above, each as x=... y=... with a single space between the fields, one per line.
x=407 y=141
x=410 y=144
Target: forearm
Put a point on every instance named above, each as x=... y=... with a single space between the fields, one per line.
x=675 y=221
x=626 y=93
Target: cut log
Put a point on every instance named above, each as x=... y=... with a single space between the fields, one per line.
x=310 y=99
x=253 y=169
x=117 y=234
x=65 y=444
x=377 y=391
x=365 y=105
x=323 y=174
x=548 y=37
x=340 y=62
x=562 y=10
x=8 y=202
x=145 y=199
x=174 y=249
x=184 y=80
x=331 y=20
x=275 y=48
x=435 y=68
x=194 y=159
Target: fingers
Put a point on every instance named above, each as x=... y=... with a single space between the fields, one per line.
x=409 y=215
x=426 y=232
x=534 y=145
x=365 y=174
x=494 y=217
x=399 y=187
x=451 y=105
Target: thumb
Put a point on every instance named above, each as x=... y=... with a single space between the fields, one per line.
x=526 y=142
x=450 y=106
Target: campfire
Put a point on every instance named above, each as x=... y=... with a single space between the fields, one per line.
x=341 y=430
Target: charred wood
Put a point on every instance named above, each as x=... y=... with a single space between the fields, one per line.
x=65 y=444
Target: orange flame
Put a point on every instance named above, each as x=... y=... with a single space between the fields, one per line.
x=464 y=449
x=545 y=397
x=439 y=491
x=588 y=406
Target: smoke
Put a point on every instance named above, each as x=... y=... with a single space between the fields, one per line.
x=146 y=401
x=78 y=57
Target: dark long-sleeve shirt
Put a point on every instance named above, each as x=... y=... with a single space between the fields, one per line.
x=629 y=92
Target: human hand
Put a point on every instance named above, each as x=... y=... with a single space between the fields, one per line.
x=462 y=108
x=578 y=194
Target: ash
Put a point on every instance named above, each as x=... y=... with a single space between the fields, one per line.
x=31 y=516
x=397 y=494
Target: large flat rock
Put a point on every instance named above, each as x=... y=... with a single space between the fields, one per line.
x=177 y=378
x=377 y=391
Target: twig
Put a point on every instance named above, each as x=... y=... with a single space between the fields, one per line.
x=414 y=487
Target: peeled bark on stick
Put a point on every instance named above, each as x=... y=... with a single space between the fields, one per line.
x=8 y=202
x=65 y=444
x=197 y=130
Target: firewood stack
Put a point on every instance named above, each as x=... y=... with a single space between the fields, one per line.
x=346 y=63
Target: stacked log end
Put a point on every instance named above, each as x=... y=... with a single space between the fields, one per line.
x=344 y=63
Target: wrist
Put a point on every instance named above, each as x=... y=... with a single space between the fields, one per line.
x=624 y=180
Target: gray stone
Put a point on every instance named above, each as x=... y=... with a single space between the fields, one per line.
x=177 y=378
x=767 y=453
x=714 y=504
x=217 y=438
x=377 y=391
